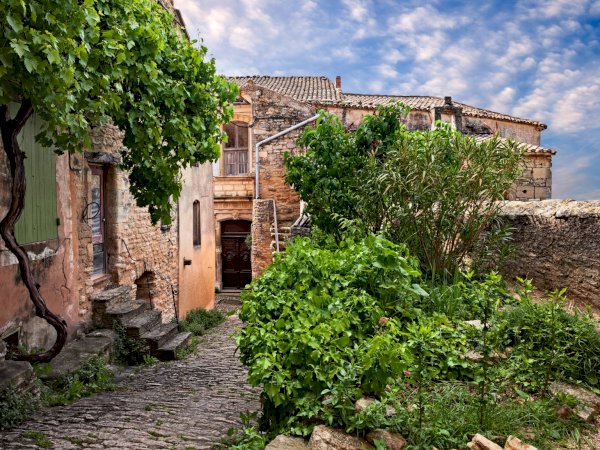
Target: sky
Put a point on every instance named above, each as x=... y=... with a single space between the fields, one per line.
x=533 y=59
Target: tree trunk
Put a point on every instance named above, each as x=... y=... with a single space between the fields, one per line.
x=10 y=129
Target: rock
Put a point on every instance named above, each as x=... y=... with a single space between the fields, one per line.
x=2 y=350
x=283 y=442
x=325 y=438
x=393 y=441
x=474 y=323
x=513 y=443
x=17 y=375
x=363 y=403
x=564 y=412
x=480 y=442
x=588 y=403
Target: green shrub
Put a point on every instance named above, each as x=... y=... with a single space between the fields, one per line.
x=326 y=326
x=129 y=351
x=16 y=408
x=92 y=378
x=199 y=320
x=433 y=190
x=549 y=342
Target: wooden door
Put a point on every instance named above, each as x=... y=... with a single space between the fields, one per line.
x=97 y=221
x=237 y=268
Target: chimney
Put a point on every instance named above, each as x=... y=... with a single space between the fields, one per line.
x=338 y=82
x=448 y=101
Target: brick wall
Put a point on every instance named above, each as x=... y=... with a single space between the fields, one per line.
x=557 y=246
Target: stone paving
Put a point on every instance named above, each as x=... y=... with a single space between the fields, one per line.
x=186 y=404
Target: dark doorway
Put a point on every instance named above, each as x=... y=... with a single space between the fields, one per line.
x=237 y=269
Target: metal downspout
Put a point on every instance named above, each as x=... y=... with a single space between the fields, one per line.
x=257 y=168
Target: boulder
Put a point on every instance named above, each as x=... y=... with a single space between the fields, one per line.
x=393 y=441
x=588 y=403
x=17 y=375
x=325 y=438
x=283 y=442
x=513 y=443
x=480 y=442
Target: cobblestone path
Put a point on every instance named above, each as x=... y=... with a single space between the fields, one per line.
x=187 y=404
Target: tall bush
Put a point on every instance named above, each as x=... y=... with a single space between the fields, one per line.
x=436 y=190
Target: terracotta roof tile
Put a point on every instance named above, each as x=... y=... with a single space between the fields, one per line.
x=321 y=90
x=528 y=148
x=304 y=89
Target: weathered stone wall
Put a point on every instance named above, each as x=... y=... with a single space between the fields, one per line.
x=536 y=180
x=522 y=132
x=558 y=246
x=234 y=187
x=134 y=246
x=274 y=113
x=262 y=220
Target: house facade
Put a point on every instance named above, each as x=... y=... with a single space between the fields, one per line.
x=254 y=208
x=85 y=234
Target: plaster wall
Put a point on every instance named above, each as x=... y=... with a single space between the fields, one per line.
x=196 y=280
x=54 y=267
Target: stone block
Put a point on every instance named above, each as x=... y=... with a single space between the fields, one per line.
x=18 y=375
x=480 y=442
x=283 y=442
x=513 y=443
x=392 y=441
x=325 y=438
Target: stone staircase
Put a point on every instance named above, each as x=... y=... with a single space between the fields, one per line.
x=139 y=320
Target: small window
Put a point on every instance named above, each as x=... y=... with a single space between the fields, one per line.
x=235 y=150
x=196 y=224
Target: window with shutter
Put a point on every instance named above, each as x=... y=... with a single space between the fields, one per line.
x=38 y=222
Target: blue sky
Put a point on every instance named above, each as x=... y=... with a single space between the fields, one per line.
x=535 y=59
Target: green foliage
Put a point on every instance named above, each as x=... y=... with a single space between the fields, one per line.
x=188 y=349
x=550 y=343
x=434 y=191
x=83 y=63
x=246 y=438
x=453 y=417
x=199 y=320
x=129 y=351
x=16 y=408
x=92 y=378
x=325 y=176
x=39 y=438
x=326 y=326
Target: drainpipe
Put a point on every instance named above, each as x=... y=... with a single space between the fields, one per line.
x=269 y=139
x=257 y=168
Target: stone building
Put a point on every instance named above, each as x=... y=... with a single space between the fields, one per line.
x=84 y=234
x=249 y=201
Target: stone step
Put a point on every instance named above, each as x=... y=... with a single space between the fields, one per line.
x=142 y=323
x=17 y=375
x=123 y=311
x=160 y=335
x=169 y=350
x=102 y=299
x=77 y=353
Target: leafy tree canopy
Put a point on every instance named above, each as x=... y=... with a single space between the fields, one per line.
x=83 y=63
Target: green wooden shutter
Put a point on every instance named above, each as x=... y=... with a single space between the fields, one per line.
x=38 y=222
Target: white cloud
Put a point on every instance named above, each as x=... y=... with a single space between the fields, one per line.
x=358 y=9
x=387 y=71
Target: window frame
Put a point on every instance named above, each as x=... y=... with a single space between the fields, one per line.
x=196 y=224
x=239 y=127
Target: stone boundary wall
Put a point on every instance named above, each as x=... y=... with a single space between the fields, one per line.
x=558 y=245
